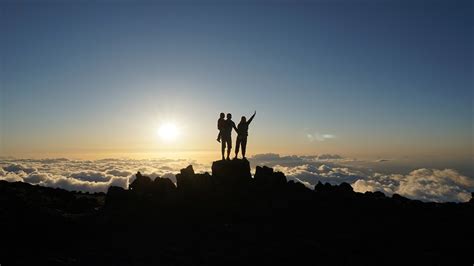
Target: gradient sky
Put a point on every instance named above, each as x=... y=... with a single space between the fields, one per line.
x=358 y=78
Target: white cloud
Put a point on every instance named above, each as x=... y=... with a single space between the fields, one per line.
x=87 y=175
x=11 y=176
x=93 y=176
x=324 y=168
x=36 y=178
x=272 y=159
x=329 y=157
x=423 y=184
x=115 y=172
x=436 y=185
x=80 y=185
x=312 y=174
x=319 y=137
x=18 y=167
x=96 y=176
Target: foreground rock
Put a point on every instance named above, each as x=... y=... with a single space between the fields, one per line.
x=229 y=217
x=232 y=172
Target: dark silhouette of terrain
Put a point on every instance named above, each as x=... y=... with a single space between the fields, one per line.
x=229 y=218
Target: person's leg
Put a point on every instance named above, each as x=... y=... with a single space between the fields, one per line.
x=229 y=147
x=244 y=146
x=223 y=142
x=237 y=146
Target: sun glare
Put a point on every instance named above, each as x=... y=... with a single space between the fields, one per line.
x=168 y=132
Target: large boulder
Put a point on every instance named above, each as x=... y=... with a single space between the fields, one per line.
x=141 y=184
x=399 y=199
x=375 y=195
x=185 y=178
x=232 y=172
x=323 y=189
x=345 y=189
x=116 y=198
x=264 y=176
x=162 y=187
x=190 y=182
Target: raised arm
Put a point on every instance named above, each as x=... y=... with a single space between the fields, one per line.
x=251 y=118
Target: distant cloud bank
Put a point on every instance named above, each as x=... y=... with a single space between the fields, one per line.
x=89 y=176
x=423 y=184
x=319 y=137
x=97 y=175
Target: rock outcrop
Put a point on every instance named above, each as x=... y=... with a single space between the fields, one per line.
x=228 y=217
x=192 y=183
x=232 y=172
x=264 y=176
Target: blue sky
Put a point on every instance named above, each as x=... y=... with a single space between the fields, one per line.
x=383 y=78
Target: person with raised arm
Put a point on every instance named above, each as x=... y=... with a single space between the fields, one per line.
x=242 y=134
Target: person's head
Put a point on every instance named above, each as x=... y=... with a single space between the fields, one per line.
x=229 y=116
x=222 y=115
x=243 y=119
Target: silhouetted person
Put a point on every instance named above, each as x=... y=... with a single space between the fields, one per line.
x=226 y=135
x=242 y=133
x=220 y=126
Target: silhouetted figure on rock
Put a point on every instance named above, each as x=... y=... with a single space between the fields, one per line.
x=242 y=134
x=226 y=135
x=220 y=126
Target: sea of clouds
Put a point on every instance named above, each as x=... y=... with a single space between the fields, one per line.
x=426 y=184
x=439 y=185
x=88 y=175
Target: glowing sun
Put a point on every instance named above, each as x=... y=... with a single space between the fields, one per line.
x=168 y=132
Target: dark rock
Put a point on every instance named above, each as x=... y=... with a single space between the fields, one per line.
x=375 y=194
x=188 y=171
x=399 y=198
x=116 y=198
x=297 y=189
x=232 y=218
x=163 y=184
x=319 y=187
x=379 y=195
x=162 y=187
x=185 y=178
x=194 y=184
x=345 y=188
x=262 y=172
x=231 y=172
x=264 y=176
x=141 y=184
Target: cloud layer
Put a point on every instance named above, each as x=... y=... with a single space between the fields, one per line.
x=423 y=184
x=89 y=176
x=96 y=176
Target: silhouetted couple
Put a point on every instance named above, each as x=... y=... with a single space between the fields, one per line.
x=225 y=127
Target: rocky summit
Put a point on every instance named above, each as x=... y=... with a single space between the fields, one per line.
x=229 y=217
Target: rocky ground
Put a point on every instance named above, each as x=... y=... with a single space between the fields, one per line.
x=229 y=217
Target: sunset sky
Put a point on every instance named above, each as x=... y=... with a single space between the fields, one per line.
x=374 y=79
